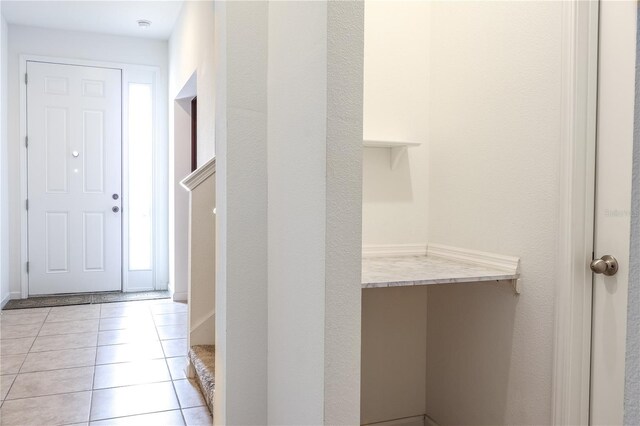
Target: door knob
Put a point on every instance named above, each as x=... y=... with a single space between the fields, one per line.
x=607 y=265
x=115 y=209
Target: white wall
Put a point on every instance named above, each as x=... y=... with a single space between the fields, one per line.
x=480 y=82
x=493 y=186
x=289 y=190
x=396 y=102
x=73 y=45
x=241 y=218
x=395 y=204
x=296 y=151
x=179 y=167
x=191 y=66
x=191 y=51
x=394 y=349
x=4 y=188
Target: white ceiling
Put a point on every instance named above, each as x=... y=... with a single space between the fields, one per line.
x=103 y=16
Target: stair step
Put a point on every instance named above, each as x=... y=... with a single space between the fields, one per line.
x=202 y=358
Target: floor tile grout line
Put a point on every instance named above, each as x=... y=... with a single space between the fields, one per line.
x=135 y=415
x=31 y=347
x=127 y=362
x=25 y=356
x=93 y=390
x=48 y=394
x=44 y=396
x=57 y=350
x=10 y=386
x=155 y=382
x=93 y=379
x=100 y=389
x=68 y=348
x=156 y=328
x=56 y=369
x=167 y=364
x=138 y=361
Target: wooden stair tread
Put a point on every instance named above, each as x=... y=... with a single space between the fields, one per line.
x=202 y=359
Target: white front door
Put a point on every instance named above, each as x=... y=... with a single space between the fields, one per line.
x=74 y=178
x=616 y=89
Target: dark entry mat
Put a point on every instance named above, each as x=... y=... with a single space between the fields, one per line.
x=83 y=299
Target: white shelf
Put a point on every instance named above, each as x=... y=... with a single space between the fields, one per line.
x=396 y=148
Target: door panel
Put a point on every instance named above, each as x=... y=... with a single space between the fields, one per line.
x=616 y=84
x=57 y=242
x=56 y=143
x=93 y=144
x=94 y=241
x=74 y=167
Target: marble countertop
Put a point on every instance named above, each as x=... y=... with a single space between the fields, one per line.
x=423 y=270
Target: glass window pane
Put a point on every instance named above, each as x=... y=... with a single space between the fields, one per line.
x=140 y=176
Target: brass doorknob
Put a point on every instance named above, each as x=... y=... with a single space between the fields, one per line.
x=607 y=265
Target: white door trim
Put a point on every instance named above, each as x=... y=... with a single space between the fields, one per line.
x=572 y=348
x=160 y=244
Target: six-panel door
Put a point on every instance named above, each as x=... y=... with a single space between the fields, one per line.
x=74 y=170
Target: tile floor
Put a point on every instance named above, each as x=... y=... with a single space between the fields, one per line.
x=104 y=364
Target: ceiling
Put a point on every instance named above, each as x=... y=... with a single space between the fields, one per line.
x=103 y=16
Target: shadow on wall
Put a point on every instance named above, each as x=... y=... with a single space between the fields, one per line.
x=394 y=343
x=380 y=182
x=470 y=336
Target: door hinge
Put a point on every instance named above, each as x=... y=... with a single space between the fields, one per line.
x=27 y=267
x=26 y=204
x=26 y=78
x=26 y=141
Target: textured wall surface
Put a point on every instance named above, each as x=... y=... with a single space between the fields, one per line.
x=480 y=83
x=396 y=102
x=191 y=50
x=191 y=60
x=345 y=39
x=493 y=186
x=394 y=203
x=241 y=41
x=289 y=146
x=632 y=386
x=297 y=194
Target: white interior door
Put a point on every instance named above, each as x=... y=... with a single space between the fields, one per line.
x=616 y=89
x=74 y=178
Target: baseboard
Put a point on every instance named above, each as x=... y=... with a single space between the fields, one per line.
x=4 y=300
x=428 y=421
x=391 y=250
x=138 y=289
x=499 y=261
x=180 y=297
x=12 y=295
x=421 y=420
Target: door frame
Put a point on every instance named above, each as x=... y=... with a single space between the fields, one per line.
x=572 y=340
x=160 y=243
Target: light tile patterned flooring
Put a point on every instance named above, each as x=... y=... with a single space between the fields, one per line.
x=109 y=364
